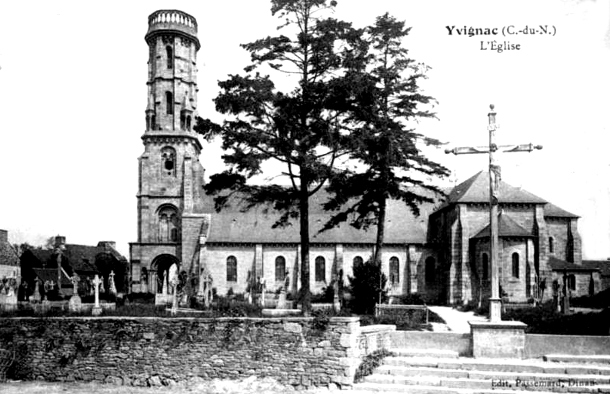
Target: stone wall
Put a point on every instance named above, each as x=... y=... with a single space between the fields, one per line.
x=150 y=351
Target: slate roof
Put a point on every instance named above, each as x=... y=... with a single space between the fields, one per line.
x=602 y=265
x=476 y=190
x=561 y=265
x=551 y=210
x=255 y=226
x=507 y=228
x=80 y=258
x=50 y=274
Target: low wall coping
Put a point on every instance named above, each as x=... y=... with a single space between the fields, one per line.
x=499 y=324
x=353 y=319
x=377 y=328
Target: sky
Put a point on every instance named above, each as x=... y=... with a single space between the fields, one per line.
x=73 y=95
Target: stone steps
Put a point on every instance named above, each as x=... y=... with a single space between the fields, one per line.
x=566 y=358
x=449 y=374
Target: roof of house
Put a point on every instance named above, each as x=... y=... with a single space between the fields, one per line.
x=81 y=258
x=507 y=227
x=256 y=225
x=602 y=265
x=50 y=274
x=561 y=265
x=8 y=255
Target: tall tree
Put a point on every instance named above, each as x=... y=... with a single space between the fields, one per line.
x=300 y=129
x=385 y=144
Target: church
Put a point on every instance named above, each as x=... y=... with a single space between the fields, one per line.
x=442 y=254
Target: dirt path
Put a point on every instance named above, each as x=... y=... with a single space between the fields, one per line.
x=455 y=321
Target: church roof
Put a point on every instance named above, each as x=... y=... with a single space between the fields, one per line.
x=507 y=227
x=602 y=265
x=561 y=265
x=551 y=210
x=231 y=225
x=476 y=190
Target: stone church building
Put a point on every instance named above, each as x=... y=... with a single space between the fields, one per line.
x=441 y=255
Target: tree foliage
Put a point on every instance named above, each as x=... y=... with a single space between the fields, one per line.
x=388 y=105
x=300 y=129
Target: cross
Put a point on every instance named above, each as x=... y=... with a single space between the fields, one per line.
x=97 y=282
x=494 y=183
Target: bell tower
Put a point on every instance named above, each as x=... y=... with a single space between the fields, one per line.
x=170 y=175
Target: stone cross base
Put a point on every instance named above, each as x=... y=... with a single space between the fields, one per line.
x=164 y=299
x=96 y=311
x=503 y=339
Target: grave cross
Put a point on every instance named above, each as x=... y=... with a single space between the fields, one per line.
x=494 y=183
x=97 y=282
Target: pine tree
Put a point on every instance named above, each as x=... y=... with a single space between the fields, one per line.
x=300 y=130
x=385 y=145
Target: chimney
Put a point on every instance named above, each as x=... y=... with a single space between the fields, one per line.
x=3 y=236
x=60 y=242
x=107 y=245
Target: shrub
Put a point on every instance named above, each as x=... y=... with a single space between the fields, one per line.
x=369 y=363
x=411 y=299
x=365 y=286
x=545 y=320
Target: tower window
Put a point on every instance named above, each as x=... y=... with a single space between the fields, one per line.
x=320 y=269
x=170 y=57
x=394 y=270
x=168 y=158
x=231 y=269
x=169 y=223
x=188 y=122
x=515 y=265
x=169 y=102
x=280 y=268
x=551 y=245
x=357 y=262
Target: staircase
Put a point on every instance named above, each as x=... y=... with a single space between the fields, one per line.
x=427 y=371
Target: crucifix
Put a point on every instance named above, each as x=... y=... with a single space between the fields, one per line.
x=494 y=184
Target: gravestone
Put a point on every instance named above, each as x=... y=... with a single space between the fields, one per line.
x=75 y=303
x=36 y=296
x=10 y=301
x=111 y=284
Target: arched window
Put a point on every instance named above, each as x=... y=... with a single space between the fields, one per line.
x=515 y=265
x=394 y=270
x=357 y=262
x=169 y=223
x=188 y=122
x=231 y=269
x=182 y=121
x=169 y=103
x=168 y=159
x=170 y=56
x=485 y=266
x=320 y=269
x=280 y=268
x=148 y=125
x=153 y=122
x=572 y=282
x=430 y=267
x=551 y=245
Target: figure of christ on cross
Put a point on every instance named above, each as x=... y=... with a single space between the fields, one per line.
x=495 y=306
